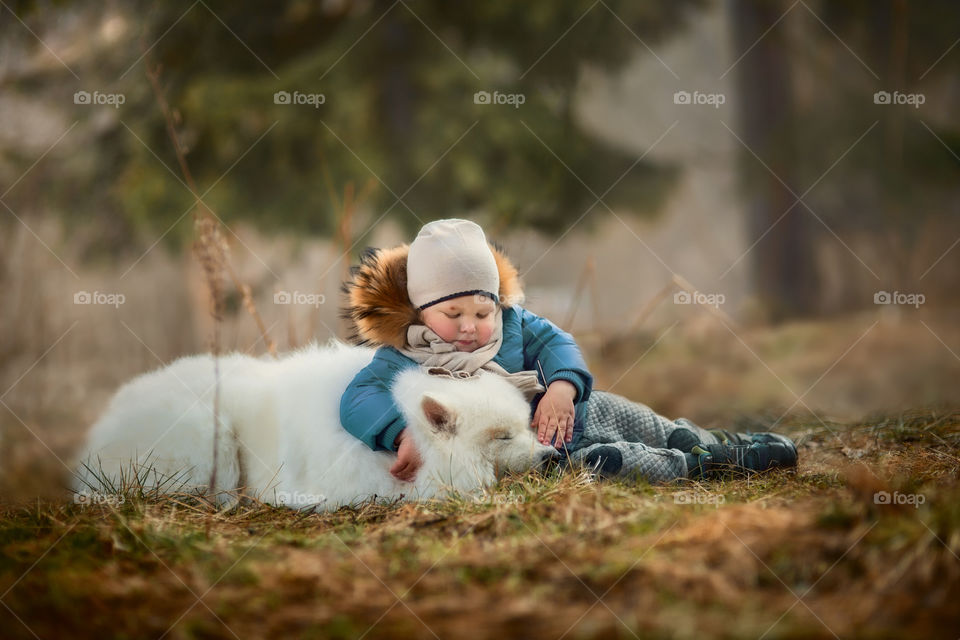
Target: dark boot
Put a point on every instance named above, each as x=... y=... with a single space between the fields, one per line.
x=748 y=438
x=714 y=460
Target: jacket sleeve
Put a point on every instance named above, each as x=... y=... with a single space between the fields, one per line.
x=553 y=351
x=367 y=409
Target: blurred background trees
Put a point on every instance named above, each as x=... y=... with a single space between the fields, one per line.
x=806 y=96
x=395 y=101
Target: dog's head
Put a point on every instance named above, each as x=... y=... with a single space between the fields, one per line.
x=468 y=431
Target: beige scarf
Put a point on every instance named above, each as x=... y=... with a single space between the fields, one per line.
x=442 y=358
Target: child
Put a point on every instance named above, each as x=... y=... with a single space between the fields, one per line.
x=450 y=300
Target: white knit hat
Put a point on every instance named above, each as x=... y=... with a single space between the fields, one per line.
x=450 y=258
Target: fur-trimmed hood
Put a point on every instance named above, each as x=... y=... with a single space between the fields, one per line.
x=377 y=308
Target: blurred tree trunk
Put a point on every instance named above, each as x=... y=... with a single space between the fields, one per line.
x=784 y=261
x=396 y=104
x=889 y=38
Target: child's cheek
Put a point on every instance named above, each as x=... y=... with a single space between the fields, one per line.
x=448 y=331
x=484 y=332
x=444 y=329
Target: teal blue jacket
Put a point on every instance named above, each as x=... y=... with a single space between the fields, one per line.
x=529 y=343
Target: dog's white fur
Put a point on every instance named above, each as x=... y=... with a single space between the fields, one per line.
x=280 y=437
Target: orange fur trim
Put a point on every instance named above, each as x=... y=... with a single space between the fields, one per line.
x=377 y=308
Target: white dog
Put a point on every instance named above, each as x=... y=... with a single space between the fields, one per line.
x=280 y=438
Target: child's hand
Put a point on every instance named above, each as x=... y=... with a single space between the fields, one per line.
x=555 y=413
x=408 y=458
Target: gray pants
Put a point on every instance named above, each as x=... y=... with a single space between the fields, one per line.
x=638 y=433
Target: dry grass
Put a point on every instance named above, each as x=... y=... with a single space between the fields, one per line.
x=545 y=555
x=842 y=367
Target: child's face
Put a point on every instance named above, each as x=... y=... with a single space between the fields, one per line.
x=466 y=322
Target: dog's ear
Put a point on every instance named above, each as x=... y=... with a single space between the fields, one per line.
x=442 y=420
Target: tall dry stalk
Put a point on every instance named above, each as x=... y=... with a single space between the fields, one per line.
x=202 y=211
x=212 y=252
